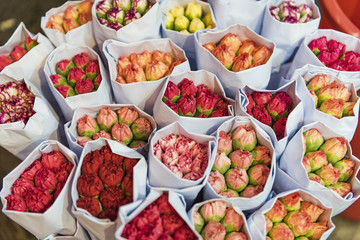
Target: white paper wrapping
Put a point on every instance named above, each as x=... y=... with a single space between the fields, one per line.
x=244 y=229
x=185 y=41
x=131 y=211
x=305 y=56
x=257 y=77
x=257 y=221
x=345 y=126
x=247 y=12
x=293 y=173
x=68 y=105
x=295 y=118
x=82 y=35
x=246 y=204
x=21 y=139
x=80 y=234
x=57 y=218
x=141 y=94
x=104 y=228
x=71 y=126
x=164 y=115
x=162 y=176
x=287 y=36
x=146 y=27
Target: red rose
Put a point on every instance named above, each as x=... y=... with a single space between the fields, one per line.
x=111 y=197
x=89 y=185
x=111 y=174
x=127 y=185
x=172 y=222
x=184 y=233
x=45 y=179
x=16 y=202
x=90 y=204
x=36 y=200
x=92 y=162
x=30 y=171
x=63 y=173
x=129 y=164
x=110 y=213
x=20 y=185
x=53 y=160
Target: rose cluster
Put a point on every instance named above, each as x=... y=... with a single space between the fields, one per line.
x=188 y=20
x=185 y=157
x=145 y=66
x=241 y=166
x=326 y=161
x=72 y=18
x=123 y=125
x=18 y=52
x=288 y=12
x=77 y=76
x=292 y=217
x=106 y=183
x=332 y=54
x=16 y=102
x=159 y=220
x=270 y=109
x=40 y=184
x=189 y=100
x=331 y=98
x=215 y=220
x=236 y=55
x=120 y=13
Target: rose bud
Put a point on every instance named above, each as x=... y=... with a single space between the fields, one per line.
x=58 y=80
x=306 y=164
x=242 y=62
x=187 y=105
x=260 y=55
x=213 y=211
x=225 y=55
x=346 y=168
x=115 y=15
x=237 y=179
x=102 y=8
x=281 y=231
x=127 y=115
x=111 y=197
x=231 y=40
x=217 y=182
x=222 y=163
x=20 y=185
x=277 y=212
x=81 y=60
x=244 y=137
x=315 y=178
x=30 y=171
x=225 y=142
x=229 y=193
x=335 y=149
x=312 y=210
x=63 y=67
x=251 y=191
x=313 y=140
x=122 y=133
x=240 y=158
x=90 y=204
x=111 y=174
x=318 y=45
x=30 y=43
x=137 y=144
x=205 y=102
x=70 y=24
x=4 y=61
x=172 y=92
x=341 y=188
x=329 y=174
x=74 y=76
x=92 y=69
x=187 y=86
x=131 y=15
x=292 y=202
x=141 y=129
x=141 y=59
x=15 y=202
x=168 y=141
x=53 y=160
x=198 y=221
x=209 y=46
x=299 y=222
x=317 y=159
x=87 y=126
x=348 y=109
x=37 y=201
x=17 y=53
x=89 y=185
x=195 y=25
x=66 y=91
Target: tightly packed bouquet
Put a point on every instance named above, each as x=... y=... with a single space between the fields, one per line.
x=109 y=176
x=172 y=61
x=320 y=161
x=195 y=99
x=36 y=194
x=292 y=214
x=221 y=59
x=219 y=219
x=244 y=168
x=290 y=12
x=70 y=23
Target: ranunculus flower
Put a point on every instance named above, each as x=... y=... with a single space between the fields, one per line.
x=213 y=211
x=101 y=134
x=87 y=126
x=92 y=69
x=335 y=149
x=251 y=191
x=198 y=221
x=141 y=129
x=17 y=53
x=106 y=118
x=122 y=133
x=170 y=157
x=222 y=163
x=81 y=60
x=261 y=155
x=30 y=171
x=4 y=61
x=258 y=174
x=277 y=213
x=317 y=159
x=155 y=70
x=280 y=127
x=242 y=62
x=89 y=185
x=314 y=140
x=172 y=106
x=306 y=164
x=90 y=204
x=110 y=213
x=260 y=55
x=312 y=210
x=66 y=91
x=111 y=174
x=111 y=197
x=213 y=231
x=205 y=102
x=162 y=57
x=45 y=179
x=231 y=40
x=141 y=59
x=209 y=46
x=240 y=158
x=84 y=85
x=127 y=115
x=187 y=86
x=292 y=202
x=341 y=188
x=217 y=182
x=315 y=178
x=346 y=168
x=318 y=45
x=225 y=55
x=187 y=105
x=329 y=174
x=244 y=137
x=349 y=109
x=30 y=43
x=15 y=202
x=37 y=200
x=237 y=179
x=58 y=80
x=261 y=114
x=229 y=193
x=232 y=220
x=172 y=92
x=70 y=24
x=127 y=185
x=20 y=185
x=281 y=231
x=63 y=67
x=236 y=236
x=299 y=222
x=225 y=142
x=53 y=160
x=168 y=141
x=314 y=97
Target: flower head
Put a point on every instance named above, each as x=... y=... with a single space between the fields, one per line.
x=225 y=55
x=15 y=202
x=87 y=126
x=209 y=46
x=92 y=69
x=341 y=188
x=90 y=204
x=232 y=221
x=346 y=168
x=74 y=76
x=17 y=53
x=111 y=197
x=217 y=182
x=172 y=92
x=30 y=43
x=318 y=45
x=30 y=171
x=251 y=191
x=242 y=62
x=258 y=174
x=63 y=67
x=329 y=174
x=231 y=40
x=70 y=24
x=111 y=174
x=312 y=210
x=127 y=115
x=237 y=179
x=122 y=133
x=141 y=129
x=317 y=159
x=261 y=55
x=66 y=90
x=222 y=163
x=335 y=149
x=292 y=202
x=37 y=200
x=240 y=158
x=187 y=86
x=141 y=59
x=155 y=70
x=131 y=15
x=89 y=185
x=299 y=222
x=261 y=155
x=205 y=102
x=187 y=105
x=277 y=213
x=244 y=137
x=281 y=231
x=53 y=160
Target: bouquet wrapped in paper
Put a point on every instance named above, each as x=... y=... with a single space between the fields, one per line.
x=80 y=234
